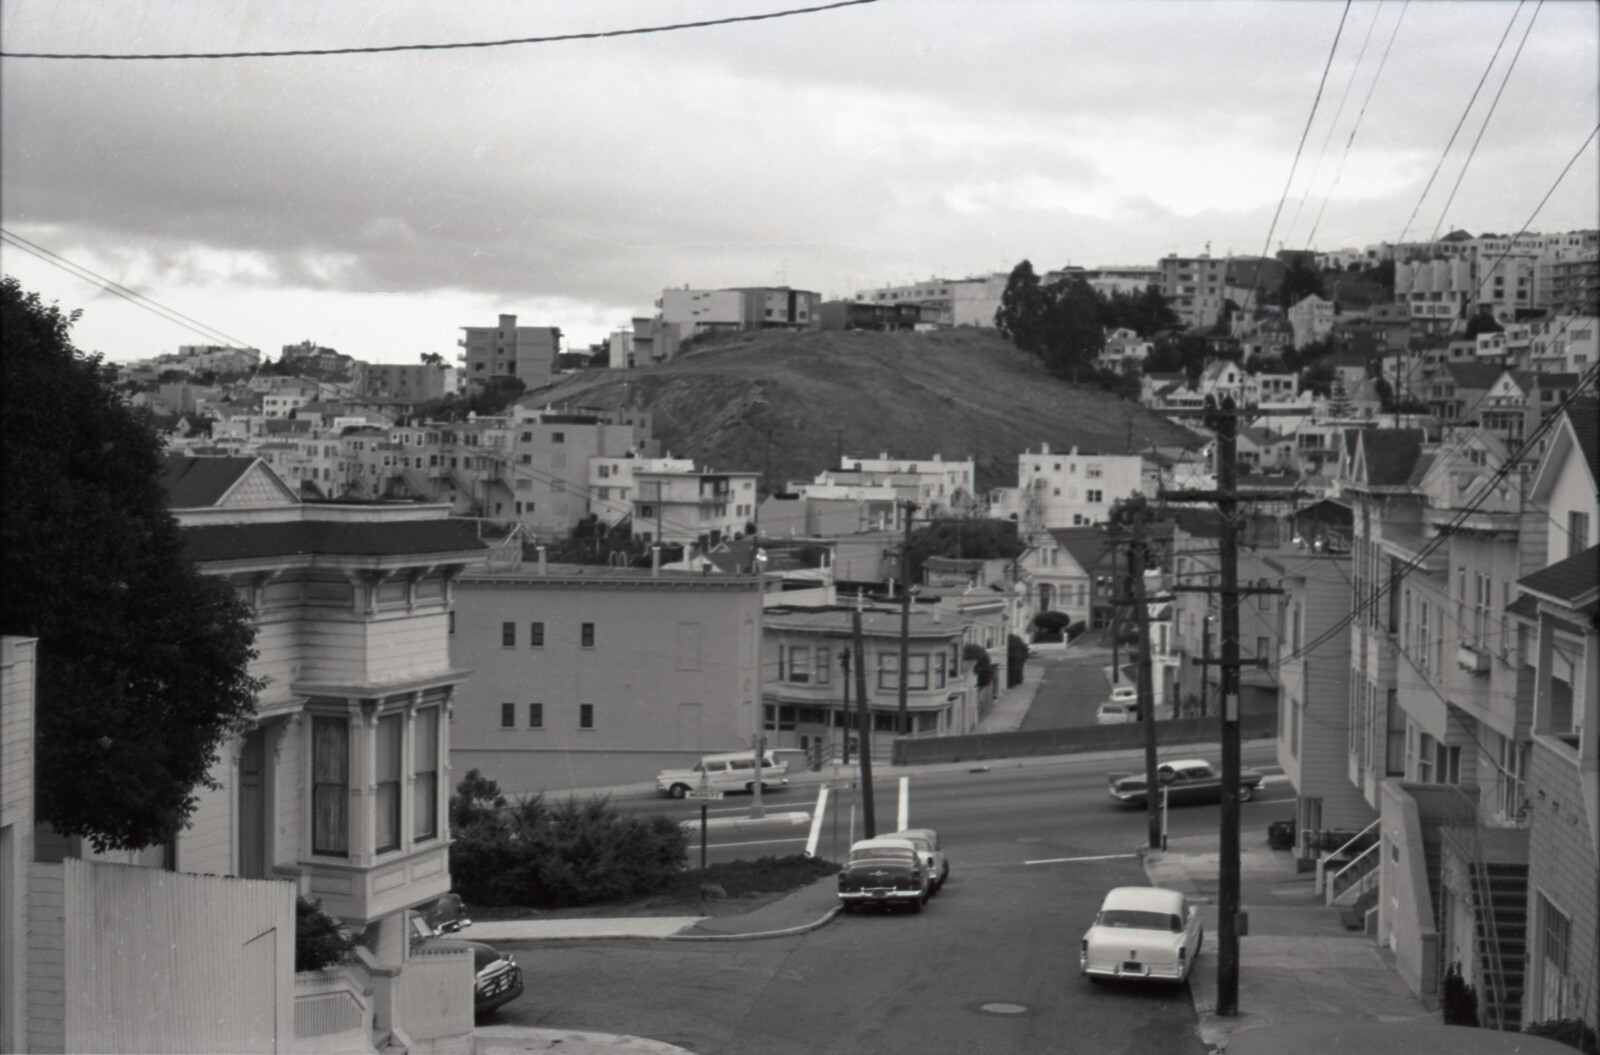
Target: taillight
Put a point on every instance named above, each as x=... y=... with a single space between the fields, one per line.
x=1183 y=953
x=1085 y=948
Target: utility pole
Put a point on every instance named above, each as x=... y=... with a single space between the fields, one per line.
x=849 y=722
x=1147 y=705
x=865 y=716
x=902 y=723
x=1231 y=923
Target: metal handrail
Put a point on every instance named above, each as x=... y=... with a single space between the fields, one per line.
x=1333 y=882
x=1495 y=975
x=1362 y=834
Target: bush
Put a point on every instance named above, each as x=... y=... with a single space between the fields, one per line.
x=1573 y=1032
x=1049 y=626
x=766 y=875
x=553 y=856
x=982 y=665
x=319 y=941
x=1460 y=999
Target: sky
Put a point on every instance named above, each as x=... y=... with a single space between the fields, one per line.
x=377 y=203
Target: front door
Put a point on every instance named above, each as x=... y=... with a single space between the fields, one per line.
x=252 y=807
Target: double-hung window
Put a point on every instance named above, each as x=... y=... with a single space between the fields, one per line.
x=425 y=765
x=330 y=785
x=386 y=804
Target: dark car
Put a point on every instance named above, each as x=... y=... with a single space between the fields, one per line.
x=497 y=979
x=1186 y=780
x=884 y=871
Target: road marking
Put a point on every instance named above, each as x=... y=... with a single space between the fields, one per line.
x=760 y=842
x=1069 y=860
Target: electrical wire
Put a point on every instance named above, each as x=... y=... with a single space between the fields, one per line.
x=1255 y=281
x=1504 y=80
x=1463 y=120
x=133 y=297
x=385 y=49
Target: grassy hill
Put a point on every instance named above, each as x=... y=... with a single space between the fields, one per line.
x=786 y=405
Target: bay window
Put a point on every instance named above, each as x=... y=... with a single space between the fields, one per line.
x=425 y=763
x=386 y=804
x=330 y=785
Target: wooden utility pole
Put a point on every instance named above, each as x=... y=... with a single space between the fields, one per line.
x=902 y=723
x=1147 y=704
x=1224 y=418
x=864 y=713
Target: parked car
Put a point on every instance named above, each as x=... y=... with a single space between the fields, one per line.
x=883 y=871
x=497 y=979
x=1117 y=714
x=1142 y=932
x=926 y=840
x=1187 y=780
x=1124 y=693
x=733 y=771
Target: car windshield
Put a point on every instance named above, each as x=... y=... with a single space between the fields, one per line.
x=1135 y=919
x=886 y=854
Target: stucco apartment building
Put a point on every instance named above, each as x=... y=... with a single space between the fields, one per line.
x=1195 y=287
x=1058 y=489
x=587 y=675
x=697 y=312
x=693 y=507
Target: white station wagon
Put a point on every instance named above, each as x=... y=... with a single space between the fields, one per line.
x=1142 y=932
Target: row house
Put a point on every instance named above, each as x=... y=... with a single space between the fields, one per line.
x=1563 y=344
x=612 y=485
x=1266 y=449
x=586 y=675
x=1439 y=707
x=1558 y=640
x=809 y=686
x=1456 y=390
x=1519 y=402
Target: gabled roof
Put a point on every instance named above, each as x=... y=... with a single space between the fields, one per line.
x=1572 y=583
x=1388 y=455
x=1584 y=416
x=1088 y=546
x=1474 y=375
x=193 y=483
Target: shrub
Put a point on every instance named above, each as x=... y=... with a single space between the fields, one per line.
x=552 y=856
x=1573 y=1032
x=766 y=875
x=319 y=940
x=982 y=665
x=1460 y=999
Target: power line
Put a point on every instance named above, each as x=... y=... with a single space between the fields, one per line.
x=133 y=297
x=1486 y=118
x=1255 y=281
x=317 y=52
x=1462 y=121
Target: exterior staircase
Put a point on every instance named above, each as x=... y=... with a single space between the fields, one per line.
x=1501 y=890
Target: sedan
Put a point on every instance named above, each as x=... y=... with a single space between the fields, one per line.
x=1117 y=714
x=1186 y=780
x=883 y=871
x=926 y=840
x=1142 y=932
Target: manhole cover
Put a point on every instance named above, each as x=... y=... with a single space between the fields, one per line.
x=1003 y=1009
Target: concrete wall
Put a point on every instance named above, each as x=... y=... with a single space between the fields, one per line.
x=1406 y=918
x=1026 y=744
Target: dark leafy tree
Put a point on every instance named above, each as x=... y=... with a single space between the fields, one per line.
x=1300 y=280
x=1146 y=313
x=1022 y=307
x=319 y=941
x=433 y=359
x=975 y=539
x=1319 y=378
x=1483 y=322
x=982 y=665
x=1070 y=334
x=492 y=397
x=143 y=661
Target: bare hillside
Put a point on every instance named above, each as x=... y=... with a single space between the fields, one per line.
x=786 y=404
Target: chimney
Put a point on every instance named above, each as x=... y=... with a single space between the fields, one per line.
x=543 y=568
x=655 y=562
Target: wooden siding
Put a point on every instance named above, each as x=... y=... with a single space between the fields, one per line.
x=206 y=845
x=16 y=833
x=215 y=960
x=47 y=1004
x=1564 y=866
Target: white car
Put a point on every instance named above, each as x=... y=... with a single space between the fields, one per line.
x=926 y=840
x=1142 y=932
x=1124 y=693
x=1116 y=714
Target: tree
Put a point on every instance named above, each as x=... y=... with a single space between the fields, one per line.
x=143 y=661
x=974 y=539
x=1300 y=280
x=1021 y=311
x=433 y=359
x=1070 y=335
x=1146 y=313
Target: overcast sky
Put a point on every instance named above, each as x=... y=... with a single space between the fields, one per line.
x=376 y=203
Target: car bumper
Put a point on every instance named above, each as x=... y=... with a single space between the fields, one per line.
x=1127 y=797
x=867 y=897
x=1136 y=971
x=497 y=992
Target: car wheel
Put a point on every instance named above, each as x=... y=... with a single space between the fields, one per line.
x=1200 y=944
x=1246 y=793
x=679 y=790
x=849 y=908
x=1095 y=979
x=916 y=906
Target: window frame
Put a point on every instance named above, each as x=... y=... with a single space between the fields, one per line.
x=585 y=716
x=331 y=795
x=425 y=765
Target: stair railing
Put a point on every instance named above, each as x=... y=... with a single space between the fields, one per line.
x=1346 y=845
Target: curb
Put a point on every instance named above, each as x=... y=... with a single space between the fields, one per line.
x=803 y=928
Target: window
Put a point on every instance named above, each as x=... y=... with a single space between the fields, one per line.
x=330 y=786
x=535 y=716
x=799 y=664
x=917 y=671
x=1422 y=633
x=1425 y=760
x=535 y=635
x=508 y=635
x=1577 y=533
x=1555 y=934
x=1262 y=646
x=586 y=716
x=1396 y=753
x=508 y=716
x=558 y=437
x=824 y=659
x=450 y=618
x=888 y=670
x=425 y=764
x=586 y=635
x=1093 y=496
